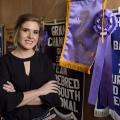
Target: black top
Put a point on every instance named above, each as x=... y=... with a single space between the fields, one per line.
x=12 y=69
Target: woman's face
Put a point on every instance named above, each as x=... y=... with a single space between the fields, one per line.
x=28 y=35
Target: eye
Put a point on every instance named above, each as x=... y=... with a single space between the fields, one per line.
x=25 y=29
x=36 y=31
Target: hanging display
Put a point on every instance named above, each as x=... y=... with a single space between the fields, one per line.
x=102 y=66
x=70 y=81
x=80 y=41
x=109 y=87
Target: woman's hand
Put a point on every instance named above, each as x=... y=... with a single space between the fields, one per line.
x=31 y=97
x=8 y=87
x=49 y=87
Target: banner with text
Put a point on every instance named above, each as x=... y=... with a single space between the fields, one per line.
x=70 y=81
x=114 y=111
x=115 y=38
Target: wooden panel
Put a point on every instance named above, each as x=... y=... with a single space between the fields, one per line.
x=49 y=9
x=11 y=9
x=113 y=4
x=56 y=9
x=0 y=13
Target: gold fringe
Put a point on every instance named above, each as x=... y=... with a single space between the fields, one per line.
x=66 y=31
x=75 y=66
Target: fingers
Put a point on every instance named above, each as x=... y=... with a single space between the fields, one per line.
x=54 y=86
x=53 y=82
x=8 y=86
x=49 y=87
x=9 y=83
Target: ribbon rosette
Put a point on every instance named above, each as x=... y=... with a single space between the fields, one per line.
x=109 y=23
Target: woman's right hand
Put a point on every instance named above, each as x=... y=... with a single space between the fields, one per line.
x=8 y=87
x=49 y=87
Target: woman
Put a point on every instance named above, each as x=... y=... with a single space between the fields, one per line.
x=27 y=84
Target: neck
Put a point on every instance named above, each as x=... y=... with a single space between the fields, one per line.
x=23 y=53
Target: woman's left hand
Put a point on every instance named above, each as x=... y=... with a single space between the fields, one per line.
x=8 y=87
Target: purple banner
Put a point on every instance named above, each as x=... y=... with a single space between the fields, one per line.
x=80 y=41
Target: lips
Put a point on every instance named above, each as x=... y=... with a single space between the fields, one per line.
x=28 y=41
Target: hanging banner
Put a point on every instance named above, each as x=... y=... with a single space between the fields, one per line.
x=115 y=38
x=103 y=64
x=114 y=110
x=8 y=36
x=1 y=40
x=81 y=41
x=70 y=81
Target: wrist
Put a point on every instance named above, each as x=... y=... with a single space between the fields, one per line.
x=38 y=92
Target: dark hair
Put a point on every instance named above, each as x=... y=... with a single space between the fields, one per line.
x=25 y=17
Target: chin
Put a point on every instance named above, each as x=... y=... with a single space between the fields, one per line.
x=26 y=47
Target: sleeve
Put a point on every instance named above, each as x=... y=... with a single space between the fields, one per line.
x=51 y=99
x=8 y=101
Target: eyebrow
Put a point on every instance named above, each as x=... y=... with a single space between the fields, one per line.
x=29 y=28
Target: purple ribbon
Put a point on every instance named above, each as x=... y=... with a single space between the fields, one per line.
x=106 y=87
x=102 y=77
x=97 y=71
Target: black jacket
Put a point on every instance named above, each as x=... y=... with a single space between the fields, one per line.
x=12 y=69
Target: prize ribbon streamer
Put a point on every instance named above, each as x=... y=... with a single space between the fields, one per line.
x=101 y=54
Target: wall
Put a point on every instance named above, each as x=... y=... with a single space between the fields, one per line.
x=10 y=9
x=49 y=9
x=0 y=12
x=113 y=4
x=46 y=9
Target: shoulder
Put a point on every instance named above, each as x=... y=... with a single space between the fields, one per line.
x=5 y=57
x=4 y=61
x=44 y=59
x=42 y=56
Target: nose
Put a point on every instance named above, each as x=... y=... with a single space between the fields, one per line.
x=30 y=35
